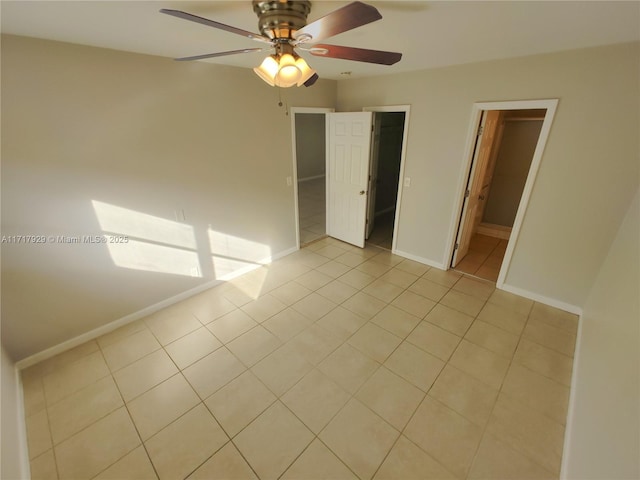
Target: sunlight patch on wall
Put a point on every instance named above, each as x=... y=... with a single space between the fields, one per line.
x=143 y=226
x=152 y=257
x=233 y=256
x=153 y=244
x=230 y=246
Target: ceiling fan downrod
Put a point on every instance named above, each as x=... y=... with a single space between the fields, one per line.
x=281 y=19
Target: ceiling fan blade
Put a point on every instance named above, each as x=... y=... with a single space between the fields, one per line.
x=312 y=79
x=220 y=54
x=357 y=54
x=211 y=23
x=346 y=18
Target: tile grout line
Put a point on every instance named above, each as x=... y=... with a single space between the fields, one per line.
x=440 y=373
x=426 y=393
x=484 y=430
x=53 y=444
x=381 y=365
x=163 y=347
x=126 y=407
x=120 y=393
x=179 y=372
x=313 y=364
x=352 y=396
x=493 y=406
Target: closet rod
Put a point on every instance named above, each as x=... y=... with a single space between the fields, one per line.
x=523 y=119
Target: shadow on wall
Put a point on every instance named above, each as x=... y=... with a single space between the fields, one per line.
x=139 y=241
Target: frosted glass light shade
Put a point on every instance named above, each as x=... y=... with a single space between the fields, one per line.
x=284 y=71
x=268 y=70
x=288 y=73
x=306 y=72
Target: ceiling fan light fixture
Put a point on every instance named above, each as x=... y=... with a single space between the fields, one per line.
x=285 y=70
x=288 y=72
x=268 y=70
x=305 y=70
x=283 y=25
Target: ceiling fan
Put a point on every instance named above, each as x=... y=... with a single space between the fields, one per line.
x=283 y=27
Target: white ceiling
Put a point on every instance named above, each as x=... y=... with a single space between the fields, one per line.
x=429 y=34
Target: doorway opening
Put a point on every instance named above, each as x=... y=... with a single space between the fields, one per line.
x=388 y=151
x=386 y=157
x=309 y=162
x=505 y=155
x=352 y=137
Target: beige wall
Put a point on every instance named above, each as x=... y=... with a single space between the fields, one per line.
x=519 y=140
x=149 y=135
x=586 y=179
x=604 y=428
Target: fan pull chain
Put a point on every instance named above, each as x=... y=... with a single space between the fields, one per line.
x=286 y=106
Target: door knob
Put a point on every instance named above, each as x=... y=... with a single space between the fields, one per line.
x=362 y=192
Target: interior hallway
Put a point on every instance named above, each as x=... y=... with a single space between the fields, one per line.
x=312 y=211
x=333 y=362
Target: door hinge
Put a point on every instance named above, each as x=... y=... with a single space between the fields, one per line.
x=455 y=247
x=480 y=130
x=466 y=194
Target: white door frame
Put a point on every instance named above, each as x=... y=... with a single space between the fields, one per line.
x=403 y=157
x=476 y=114
x=294 y=178
x=372 y=188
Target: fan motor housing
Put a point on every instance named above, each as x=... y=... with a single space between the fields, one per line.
x=280 y=19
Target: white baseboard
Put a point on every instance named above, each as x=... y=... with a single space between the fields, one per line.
x=495 y=231
x=283 y=253
x=111 y=326
x=418 y=259
x=132 y=317
x=552 y=302
x=572 y=404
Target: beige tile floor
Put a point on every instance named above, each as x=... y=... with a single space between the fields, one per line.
x=484 y=258
x=312 y=210
x=334 y=363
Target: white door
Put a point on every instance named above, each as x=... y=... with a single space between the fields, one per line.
x=474 y=193
x=347 y=175
x=373 y=176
